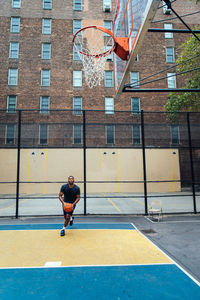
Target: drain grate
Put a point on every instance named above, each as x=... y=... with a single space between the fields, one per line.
x=148 y=231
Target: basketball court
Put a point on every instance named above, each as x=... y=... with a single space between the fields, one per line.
x=93 y=260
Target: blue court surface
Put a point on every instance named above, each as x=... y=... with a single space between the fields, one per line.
x=97 y=261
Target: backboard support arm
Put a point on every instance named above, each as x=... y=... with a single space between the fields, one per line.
x=169 y=5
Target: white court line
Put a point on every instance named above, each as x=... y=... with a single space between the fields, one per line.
x=189 y=275
x=168 y=222
x=52 y=264
x=86 y=266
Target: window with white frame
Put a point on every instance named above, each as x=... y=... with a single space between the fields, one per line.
x=110 y=56
x=77 y=24
x=46 y=51
x=11 y=104
x=45 y=77
x=47 y=4
x=110 y=134
x=107 y=5
x=77 y=105
x=12 y=76
x=77 y=4
x=77 y=134
x=171 y=80
x=108 y=25
x=136 y=133
x=14 y=50
x=135 y=105
x=46 y=26
x=16 y=3
x=75 y=54
x=168 y=35
x=10 y=134
x=44 y=104
x=109 y=105
x=15 y=25
x=134 y=79
x=43 y=134
x=77 y=78
x=166 y=10
x=175 y=136
x=108 y=79
x=170 y=55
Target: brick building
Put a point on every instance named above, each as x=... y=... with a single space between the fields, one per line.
x=39 y=69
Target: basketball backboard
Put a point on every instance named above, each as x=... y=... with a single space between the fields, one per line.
x=132 y=18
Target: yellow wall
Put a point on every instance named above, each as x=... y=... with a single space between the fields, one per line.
x=102 y=165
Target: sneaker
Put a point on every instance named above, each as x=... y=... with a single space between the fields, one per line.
x=71 y=221
x=62 y=232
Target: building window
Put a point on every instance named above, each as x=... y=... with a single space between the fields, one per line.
x=136 y=129
x=110 y=134
x=77 y=78
x=77 y=133
x=10 y=134
x=110 y=56
x=16 y=3
x=77 y=4
x=43 y=134
x=108 y=25
x=11 y=104
x=109 y=105
x=15 y=25
x=77 y=105
x=166 y=10
x=134 y=79
x=12 y=76
x=171 y=80
x=108 y=79
x=46 y=26
x=44 y=104
x=77 y=24
x=175 y=138
x=168 y=35
x=135 y=105
x=137 y=58
x=170 y=55
x=46 y=51
x=14 y=50
x=107 y=5
x=75 y=54
x=47 y=4
x=45 y=77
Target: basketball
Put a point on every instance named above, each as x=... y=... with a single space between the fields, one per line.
x=68 y=207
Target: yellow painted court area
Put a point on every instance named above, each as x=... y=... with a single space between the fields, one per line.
x=27 y=248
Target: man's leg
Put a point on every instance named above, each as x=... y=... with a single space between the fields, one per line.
x=67 y=219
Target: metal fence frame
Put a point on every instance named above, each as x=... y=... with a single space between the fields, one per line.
x=145 y=181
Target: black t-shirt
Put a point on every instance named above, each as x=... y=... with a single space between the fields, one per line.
x=70 y=193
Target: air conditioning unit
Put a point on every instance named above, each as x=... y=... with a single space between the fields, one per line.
x=107 y=8
x=166 y=10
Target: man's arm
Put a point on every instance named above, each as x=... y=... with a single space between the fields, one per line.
x=77 y=199
x=61 y=198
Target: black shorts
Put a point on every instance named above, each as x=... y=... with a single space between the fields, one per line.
x=69 y=213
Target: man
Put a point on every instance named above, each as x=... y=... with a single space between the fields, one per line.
x=71 y=194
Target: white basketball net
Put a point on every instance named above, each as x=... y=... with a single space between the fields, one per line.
x=91 y=45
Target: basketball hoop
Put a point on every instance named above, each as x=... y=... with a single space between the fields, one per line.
x=93 y=45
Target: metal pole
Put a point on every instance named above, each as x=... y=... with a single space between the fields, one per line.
x=144 y=162
x=127 y=89
x=172 y=30
x=18 y=164
x=84 y=161
x=191 y=162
